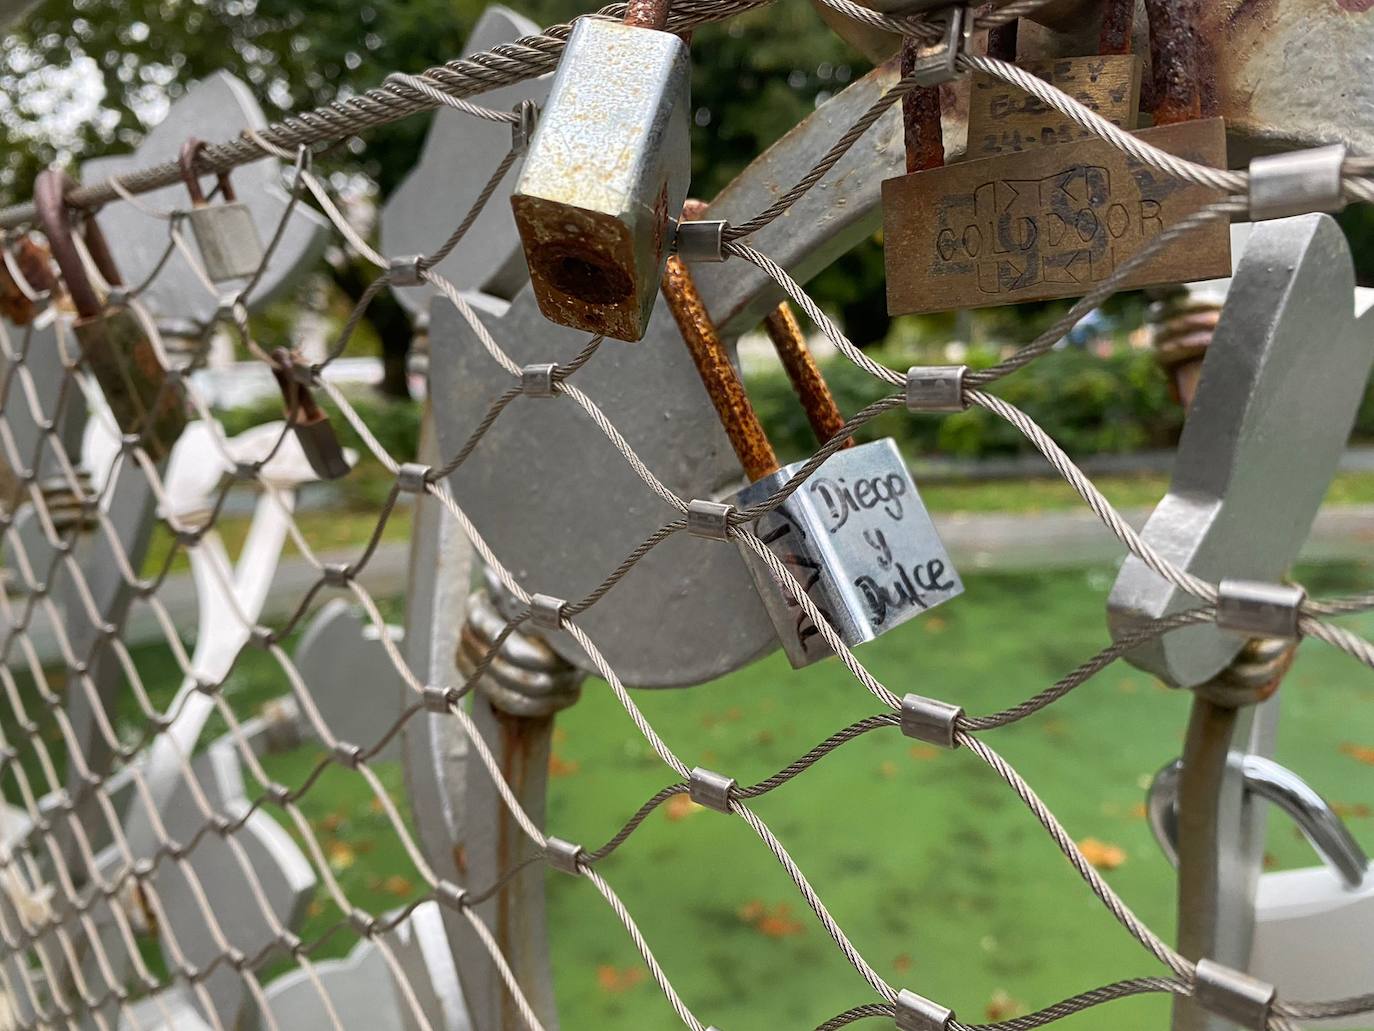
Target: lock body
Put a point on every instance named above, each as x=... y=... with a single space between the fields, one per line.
x=228 y=240
x=321 y=446
x=132 y=378
x=858 y=538
x=606 y=173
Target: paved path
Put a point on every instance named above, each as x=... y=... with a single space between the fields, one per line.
x=1054 y=540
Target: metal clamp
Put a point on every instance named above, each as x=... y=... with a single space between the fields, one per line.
x=546 y=611
x=1263 y=777
x=405 y=270
x=412 y=478
x=438 y=699
x=537 y=380
x=940 y=62
x=1259 y=609
x=1232 y=995
x=936 y=388
x=710 y=789
x=709 y=519
x=701 y=241
x=917 y=1013
x=1297 y=182
x=564 y=856
x=930 y=720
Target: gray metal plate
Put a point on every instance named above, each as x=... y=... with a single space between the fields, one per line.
x=459 y=156
x=1280 y=387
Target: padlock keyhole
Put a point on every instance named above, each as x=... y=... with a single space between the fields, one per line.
x=589 y=279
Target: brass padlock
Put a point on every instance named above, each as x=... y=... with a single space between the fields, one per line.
x=115 y=344
x=307 y=420
x=609 y=164
x=1043 y=218
x=226 y=234
x=855 y=534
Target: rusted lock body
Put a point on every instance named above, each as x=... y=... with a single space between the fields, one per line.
x=116 y=346
x=609 y=163
x=855 y=534
x=858 y=538
x=226 y=234
x=308 y=421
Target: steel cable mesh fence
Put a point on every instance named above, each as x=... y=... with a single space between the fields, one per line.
x=85 y=875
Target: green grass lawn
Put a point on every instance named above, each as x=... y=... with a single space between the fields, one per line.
x=936 y=871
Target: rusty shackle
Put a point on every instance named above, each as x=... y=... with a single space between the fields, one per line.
x=647 y=14
x=49 y=198
x=186 y=159
x=300 y=405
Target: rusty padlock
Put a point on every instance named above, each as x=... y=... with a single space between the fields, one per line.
x=226 y=234
x=609 y=164
x=308 y=420
x=855 y=534
x=115 y=344
x=25 y=274
x=1041 y=218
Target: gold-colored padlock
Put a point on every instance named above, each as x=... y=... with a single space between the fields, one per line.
x=115 y=345
x=308 y=420
x=1049 y=214
x=25 y=272
x=226 y=234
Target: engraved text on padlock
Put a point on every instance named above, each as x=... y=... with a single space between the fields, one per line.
x=859 y=540
x=606 y=172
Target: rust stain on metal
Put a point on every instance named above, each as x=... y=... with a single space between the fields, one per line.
x=925 y=144
x=1118 y=21
x=1181 y=93
x=519 y=748
x=819 y=404
x=647 y=14
x=718 y=376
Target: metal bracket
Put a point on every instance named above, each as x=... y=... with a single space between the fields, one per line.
x=940 y=62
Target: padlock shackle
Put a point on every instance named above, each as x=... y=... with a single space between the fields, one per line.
x=300 y=406
x=49 y=198
x=186 y=160
x=647 y=14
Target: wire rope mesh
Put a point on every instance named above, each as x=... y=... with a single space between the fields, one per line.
x=94 y=849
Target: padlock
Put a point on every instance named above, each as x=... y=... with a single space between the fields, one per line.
x=855 y=534
x=1044 y=218
x=226 y=234
x=608 y=165
x=307 y=420
x=25 y=274
x=115 y=344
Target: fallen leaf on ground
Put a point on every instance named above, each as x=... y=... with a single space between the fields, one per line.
x=902 y=963
x=615 y=981
x=923 y=753
x=397 y=885
x=560 y=767
x=888 y=769
x=1101 y=854
x=1001 y=1006
x=340 y=854
x=679 y=807
x=1360 y=753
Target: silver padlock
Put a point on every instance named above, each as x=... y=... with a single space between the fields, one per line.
x=226 y=234
x=855 y=534
x=607 y=169
x=307 y=420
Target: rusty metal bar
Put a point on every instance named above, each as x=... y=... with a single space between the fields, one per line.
x=797 y=360
x=1175 y=61
x=723 y=384
x=921 y=129
x=1118 y=22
